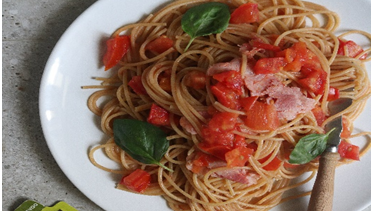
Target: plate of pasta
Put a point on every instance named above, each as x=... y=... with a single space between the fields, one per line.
x=210 y=105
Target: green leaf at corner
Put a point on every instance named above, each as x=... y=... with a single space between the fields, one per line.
x=205 y=19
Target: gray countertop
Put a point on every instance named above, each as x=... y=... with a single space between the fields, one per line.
x=30 y=30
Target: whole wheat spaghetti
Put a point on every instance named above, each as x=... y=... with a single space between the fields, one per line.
x=167 y=79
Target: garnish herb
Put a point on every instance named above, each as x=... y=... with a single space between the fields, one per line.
x=309 y=147
x=205 y=19
x=143 y=141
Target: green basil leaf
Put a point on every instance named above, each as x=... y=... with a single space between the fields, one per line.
x=205 y=19
x=309 y=147
x=143 y=141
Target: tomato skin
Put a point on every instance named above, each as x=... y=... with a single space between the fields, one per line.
x=333 y=94
x=231 y=79
x=247 y=102
x=269 y=65
x=262 y=116
x=227 y=97
x=136 y=84
x=265 y=46
x=158 y=116
x=273 y=165
x=353 y=49
x=346 y=130
x=238 y=156
x=246 y=13
x=117 y=47
x=196 y=80
x=160 y=44
x=319 y=115
x=137 y=181
x=348 y=151
x=314 y=80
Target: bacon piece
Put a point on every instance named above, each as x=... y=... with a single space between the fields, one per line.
x=234 y=64
x=289 y=101
x=238 y=175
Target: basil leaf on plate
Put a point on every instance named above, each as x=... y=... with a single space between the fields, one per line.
x=309 y=147
x=143 y=141
x=205 y=19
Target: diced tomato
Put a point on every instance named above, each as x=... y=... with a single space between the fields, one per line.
x=314 y=80
x=117 y=47
x=273 y=165
x=319 y=115
x=227 y=97
x=216 y=150
x=239 y=141
x=333 y=94
x=269 y=65
x=136 y=84
x=346 y=129
x=238 y=156
x=265 y=46
x=262 y=116
x=158 y=116
x=196 y=80
x=299 y=51
x=231 y=79
x=248 y=102
x=137 y=181
x=352 y=48
x=349 y=151
x=160 y=44
x=164 y=80
x=201 y=161
x=224 y=121
x=246 y=13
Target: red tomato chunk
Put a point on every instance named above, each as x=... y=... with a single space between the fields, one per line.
x=348 y=151
x=158 y=116
x=117 y=47
x=137 y=181
x=246 y=13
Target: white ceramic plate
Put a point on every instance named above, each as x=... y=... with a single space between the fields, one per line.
x=71 y=129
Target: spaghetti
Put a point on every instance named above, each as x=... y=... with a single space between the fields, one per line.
x=167 y=79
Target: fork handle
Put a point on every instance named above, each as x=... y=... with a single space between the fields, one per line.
x=322 y=194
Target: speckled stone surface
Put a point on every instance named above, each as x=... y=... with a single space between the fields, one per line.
x=30 y=30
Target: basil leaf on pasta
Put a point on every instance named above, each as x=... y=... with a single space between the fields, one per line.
x=205 y=19
x=143 y=141
x=309 y=147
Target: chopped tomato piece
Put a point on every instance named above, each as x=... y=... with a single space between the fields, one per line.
x=269 y=65
x=319 y=115
x=137 y=181
x=164 y=80
x=238 y=156
x=202 y=160
x=136 y=84
x=352 y=48
x=160 y=44
x=231 y=79
x=158 y=116
x=248 y=102
x=224 y=121
x=333 y=94
x=262 y=116
x=273 y=165
x=196 y=80
x=314 y=80
x=349 y=151
x=216 y=150
x=117 y=47
x=227 y=97
x=346 y=129
x=298 y=54
x=246 y=13
x=239 y=141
